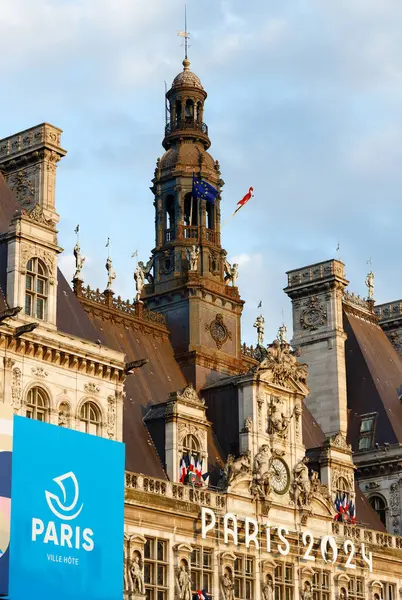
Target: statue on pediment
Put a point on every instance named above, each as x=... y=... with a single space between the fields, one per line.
x=301 y=487
x=79 y=261
x=260 y=485
x=146 y=269
x=234 y=468
x=281 y=360
x=111 y=274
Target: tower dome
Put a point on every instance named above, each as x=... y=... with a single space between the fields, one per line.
x=187 y=78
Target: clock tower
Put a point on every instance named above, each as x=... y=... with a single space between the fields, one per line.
x=192 y=283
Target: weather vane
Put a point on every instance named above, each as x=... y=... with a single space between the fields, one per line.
x=185 y=34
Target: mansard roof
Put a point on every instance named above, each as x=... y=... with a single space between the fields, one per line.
x=9 y=206
x=374 y=380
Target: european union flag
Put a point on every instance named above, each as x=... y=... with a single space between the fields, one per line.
x=203 y=190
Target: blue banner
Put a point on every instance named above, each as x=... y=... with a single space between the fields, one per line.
x=67 y=515
x=6 y=428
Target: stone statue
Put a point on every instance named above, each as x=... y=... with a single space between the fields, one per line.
x=146 y=269
x=261 y=472
x=63 y=415
x=282 y=331
x=79 y=261
x=307 y=593
x=268 y=589
x=227 y=585
x=282 y=361
x=301 y=486
x=315 y=482
x=137 y=575
x=139 y=277
x=259 y=325
x=231 y=272
x=184 y=584
x=234 y=468
x=343 y=595
x=193 y=256
x=370 y=285
x=111 y=273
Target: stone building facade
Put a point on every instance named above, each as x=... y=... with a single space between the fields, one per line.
x=283 y=432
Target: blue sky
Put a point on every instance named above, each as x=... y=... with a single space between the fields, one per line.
x=304 y=104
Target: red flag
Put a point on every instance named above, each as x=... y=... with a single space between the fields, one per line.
x=246 y=198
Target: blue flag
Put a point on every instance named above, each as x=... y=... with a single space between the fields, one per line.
x=203 y=190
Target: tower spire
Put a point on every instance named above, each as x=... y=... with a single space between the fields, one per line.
x=185 y=34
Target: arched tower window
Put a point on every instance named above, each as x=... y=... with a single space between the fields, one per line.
x=189 y=110
x=37 y=405
x=190 y=210
x=210 y=215
x=199 y=112
x=191 y=445
x=178 y=111
x=169 y=205
x=36 y=289
x=90 y=418
x=378 y=504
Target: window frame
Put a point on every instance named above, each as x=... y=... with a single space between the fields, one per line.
x=36 y=271
x=90 y=405
x=153 y=589
x=244 y=577
x=32 y=409
x=377 y=496
x=200 y=571
x=366 y=436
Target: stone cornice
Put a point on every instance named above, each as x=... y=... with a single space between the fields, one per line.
x=61 y=355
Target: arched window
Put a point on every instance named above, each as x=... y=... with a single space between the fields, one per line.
x=36 y=289
x=190 y=444
x=178 y=111
x=169 y=204
x=90 y=418
x=37 y=404
x=378 y=504
x=189 y=108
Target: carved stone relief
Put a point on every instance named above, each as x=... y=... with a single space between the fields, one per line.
x=92 y=388
x=314 y=314
x=111 y=417
x=39 y=372
x=22 y=184
x=218 y=330
x=16 y=388
x=188 y=394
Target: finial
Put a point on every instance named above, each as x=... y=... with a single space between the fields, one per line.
x=370 y=281
x=108 y=247
x=259 y=325
x=185 y=34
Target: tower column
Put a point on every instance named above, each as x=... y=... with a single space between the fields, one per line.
x=316 y=292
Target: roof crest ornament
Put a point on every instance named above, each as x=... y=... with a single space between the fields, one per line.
x=79 y=258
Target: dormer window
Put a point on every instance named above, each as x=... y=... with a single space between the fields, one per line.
x=366 y=431
x=36 y=289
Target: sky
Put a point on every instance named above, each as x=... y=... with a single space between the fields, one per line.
x=304 y=104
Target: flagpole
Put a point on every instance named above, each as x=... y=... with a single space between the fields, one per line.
x=231 y=216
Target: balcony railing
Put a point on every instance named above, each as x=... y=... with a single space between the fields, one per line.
x=169 y=235
x=190 y=232
x=186 y=124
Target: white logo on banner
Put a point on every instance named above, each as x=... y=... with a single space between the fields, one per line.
x=66 y=513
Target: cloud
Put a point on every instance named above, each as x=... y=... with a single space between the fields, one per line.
x=304 y=103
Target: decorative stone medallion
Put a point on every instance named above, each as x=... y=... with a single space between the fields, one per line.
x=218 y=330
x=314 y=315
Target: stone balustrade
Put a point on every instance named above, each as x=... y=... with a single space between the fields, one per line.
x=176 y=491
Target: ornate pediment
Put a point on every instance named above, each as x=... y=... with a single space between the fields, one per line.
x=282 y=367
x=188 y=394
x=339 y=441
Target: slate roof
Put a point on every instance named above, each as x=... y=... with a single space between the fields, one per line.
x=374 y=380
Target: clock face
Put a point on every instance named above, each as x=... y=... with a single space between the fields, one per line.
x=280 y=476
